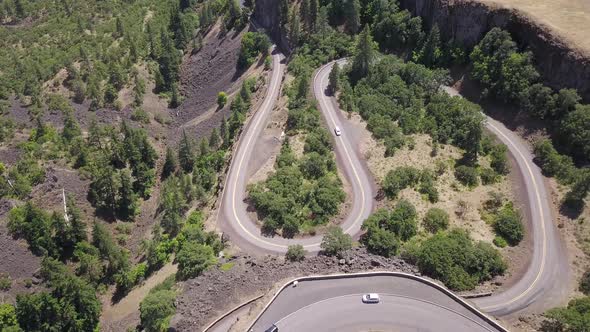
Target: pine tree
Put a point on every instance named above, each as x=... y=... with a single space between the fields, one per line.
x=334 y=75
x=127 y=207
x=284 y=12
x=104 y=187
x=170 y=164
x=305 y=15
x=353 y=18
x=430 y=53
x=204 y=147
x=235 y=11
x=169 y=62
x=245 y=93
x=294 y=28
x=224 y=132
x=313 y=15
x=214 y=139
x=364 y=55
x=77 y=225
x=40 y=129
x=323 y=24
x=71 y=127
x=138 y=91
x=175 y=99
x=185 y=154
x=120 y=28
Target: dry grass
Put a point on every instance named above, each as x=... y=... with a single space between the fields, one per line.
x=462 y=203
x=569 y=18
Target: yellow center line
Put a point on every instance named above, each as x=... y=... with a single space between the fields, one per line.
x=266 y=104
x=542 y=217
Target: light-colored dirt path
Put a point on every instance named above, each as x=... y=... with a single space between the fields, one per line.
x=130 y=303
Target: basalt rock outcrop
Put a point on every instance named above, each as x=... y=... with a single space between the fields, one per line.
x=467 y=21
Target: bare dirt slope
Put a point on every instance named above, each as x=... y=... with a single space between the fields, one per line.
x=211 y=70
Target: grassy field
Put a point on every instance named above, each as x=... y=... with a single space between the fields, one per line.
x=570 y=18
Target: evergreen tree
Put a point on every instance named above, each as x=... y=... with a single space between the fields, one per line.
x=323 y=24
x=352 y=14
x=138 y=91
x=364 y=55
x=245 y=93
x=104 y=187
x=169 y=62
x=203 y=147
x=334 y=75
x=71 y=127
x=185 y=154
x=431 y=53
x=284 y=12
x=313 y=15
x=224 y=132
x=175 y=99
x=127 y=206
x=214 y=139
x=305 y=15
x=120 y=28
x=170 y=164
x=77 y=225
x=71 y=231
x=294 y=28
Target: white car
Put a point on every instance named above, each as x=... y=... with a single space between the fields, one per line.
x=337 y=131
x=371 y=298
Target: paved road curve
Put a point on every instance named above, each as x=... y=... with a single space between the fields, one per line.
x=545 y=283
x=234 y=217
x=335 y=305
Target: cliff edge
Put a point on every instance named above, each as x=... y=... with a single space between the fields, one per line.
x=562 y=61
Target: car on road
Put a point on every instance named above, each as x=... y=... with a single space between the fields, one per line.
x=371 y=298
x=337 y=131
x=273 y=328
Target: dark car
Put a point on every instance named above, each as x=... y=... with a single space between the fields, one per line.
x=273 y=328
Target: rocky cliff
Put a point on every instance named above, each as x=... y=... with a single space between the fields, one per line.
x=267 y=15
x=466 y=21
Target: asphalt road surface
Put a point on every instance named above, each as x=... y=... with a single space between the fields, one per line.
x=335 y=305
x=545 y=283
x=234 y=217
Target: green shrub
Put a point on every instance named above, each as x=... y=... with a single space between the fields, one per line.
x=500 y=242
x=573 y=318
x=382 y=242
x=140 y=115
x=398 y=179
x=221 y=99
x=5 y=283
x=488 y=176
x=193 y=259
x=335 y=241
x=436 y=220
x=295 y=253
x=457 y=261
x=253 y=43
x=156 y=310
x=8 y=317
x=508 y=224
x=585 y=283
x=467 y=175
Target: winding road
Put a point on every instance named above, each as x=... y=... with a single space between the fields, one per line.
x=234 y=218
x=546 y=280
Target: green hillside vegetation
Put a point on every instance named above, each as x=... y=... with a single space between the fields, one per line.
x=98 y=42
